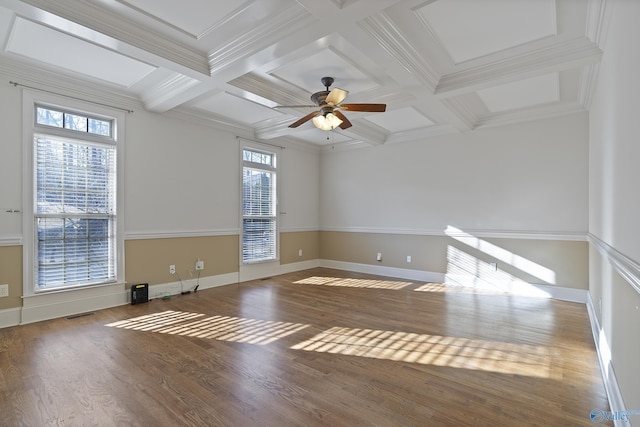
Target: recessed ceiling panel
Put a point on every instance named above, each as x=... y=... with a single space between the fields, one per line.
x=523 y=93
x=64 y=51
x=235 y=108
x=470 y=29
x=307 y=72
x=401 y=120
x=195 y=17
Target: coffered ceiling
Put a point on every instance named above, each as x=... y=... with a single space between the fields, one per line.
x=441 y=66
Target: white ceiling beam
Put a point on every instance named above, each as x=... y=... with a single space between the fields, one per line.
x=562 y=54
x=119 y=27
x=172 y=92
x=387 y=34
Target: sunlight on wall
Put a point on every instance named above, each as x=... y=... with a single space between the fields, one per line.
x=503 y=255
x=468 y=271
x=492 y=356
x=223 y=328
x=353 y=283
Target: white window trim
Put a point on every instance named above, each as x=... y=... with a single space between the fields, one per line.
x=252 y=145
x=29 y=100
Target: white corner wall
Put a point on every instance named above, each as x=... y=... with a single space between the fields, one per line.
x=614 y=205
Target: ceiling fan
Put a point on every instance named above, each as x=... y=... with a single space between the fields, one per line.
x=329 y=116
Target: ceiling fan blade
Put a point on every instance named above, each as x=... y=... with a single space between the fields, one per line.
x=345 y=122
x=373 y=108
x=336 y=96
x=304 y=119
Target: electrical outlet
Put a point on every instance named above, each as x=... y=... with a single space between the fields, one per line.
x=379 y=256
x=299 y=252
x=199 y=265
x=172 y=269
x=4 y=290
x=408 y=258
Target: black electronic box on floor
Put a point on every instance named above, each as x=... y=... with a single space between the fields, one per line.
x=139 y=293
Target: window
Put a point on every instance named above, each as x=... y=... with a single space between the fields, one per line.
x=75 y=233
x=258 y=206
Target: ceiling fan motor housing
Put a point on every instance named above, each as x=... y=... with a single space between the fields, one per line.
x=319 y=98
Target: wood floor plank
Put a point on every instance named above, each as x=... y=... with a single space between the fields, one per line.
x=313 y=348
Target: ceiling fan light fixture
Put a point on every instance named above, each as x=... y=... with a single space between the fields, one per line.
x=327 y=121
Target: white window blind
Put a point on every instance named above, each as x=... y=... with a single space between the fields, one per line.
x=259 y=231
x=74 y=212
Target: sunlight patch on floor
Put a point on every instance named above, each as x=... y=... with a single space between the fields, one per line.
x=353 y=282
x=453 y=288
x=474 y=354
x=223 y=328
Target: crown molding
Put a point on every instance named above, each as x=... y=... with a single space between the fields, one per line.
x=387 y=34
x=366 y=132
x=267 y=33
x=421 y=133
x=530 y=114
x=270 y=91
x=597 y=27
x=462 y=111
x=102 y=20
x=587 y=85
x=208 y=120
x=339 y=147
x=273 y=128
x=42 y=79
x=171 y=93
x=561 y=54
x=597 y=23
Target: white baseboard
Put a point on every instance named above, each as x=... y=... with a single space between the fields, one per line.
x=299 y=266
x=10 y=317
x=563 y=293
x=604 y=357
x=401 y=273
x=60 y=304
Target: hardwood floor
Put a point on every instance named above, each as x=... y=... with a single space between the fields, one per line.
x=317 y=347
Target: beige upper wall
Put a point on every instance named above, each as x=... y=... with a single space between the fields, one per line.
x=148 y=261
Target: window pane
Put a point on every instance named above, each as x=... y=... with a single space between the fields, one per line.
x=74 y=122
x=74 y=203
x=99 y=127
x=72 y=251
x=74 y=178
x=258 y=192
x=257 y=157
x=71 y=121
x=48 y=117
x=258 y=239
